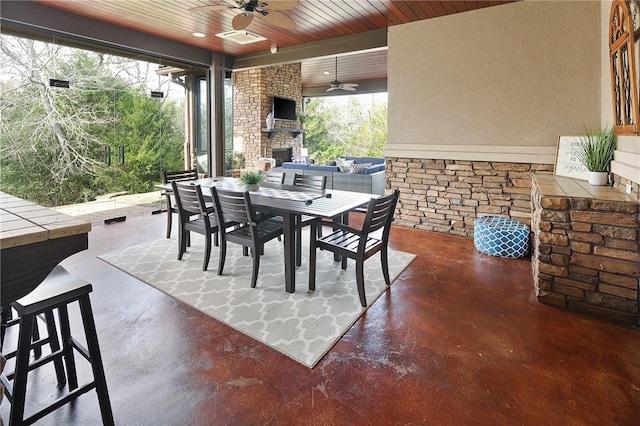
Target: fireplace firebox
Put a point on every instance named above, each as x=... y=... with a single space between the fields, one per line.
x=281 y=155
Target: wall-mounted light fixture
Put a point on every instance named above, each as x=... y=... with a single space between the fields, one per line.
x=274 y=48
x=59 y=83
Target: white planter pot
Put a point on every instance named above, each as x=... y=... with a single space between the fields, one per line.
x=252 y=187
x=598 y=178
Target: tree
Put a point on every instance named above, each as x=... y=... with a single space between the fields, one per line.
x=337 y=129
x=317 y=137
x=57 y=139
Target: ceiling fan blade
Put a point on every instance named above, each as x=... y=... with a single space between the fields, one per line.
x=331 y=89
x=348 y=89
x=281 y=4
x=210 y=8
x=241 y=21
x=350 y=85
x=278 y=19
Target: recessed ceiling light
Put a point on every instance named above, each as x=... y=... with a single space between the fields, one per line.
x=326 y=73
x=198 y=34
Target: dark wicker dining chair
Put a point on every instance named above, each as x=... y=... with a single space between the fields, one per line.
x=358 y=244
x=194 y=215
x=243 y=226
x=177 y=176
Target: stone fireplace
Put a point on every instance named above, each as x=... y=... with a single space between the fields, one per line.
x=254 y=90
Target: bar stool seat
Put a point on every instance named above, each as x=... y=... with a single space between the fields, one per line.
x=57 y=291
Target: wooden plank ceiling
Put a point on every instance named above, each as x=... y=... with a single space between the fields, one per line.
x=316 y=20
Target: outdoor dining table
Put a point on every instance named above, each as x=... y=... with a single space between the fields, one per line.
x=33 y=240
x=289 y=201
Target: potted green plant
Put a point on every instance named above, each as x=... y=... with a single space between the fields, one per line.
x=595 y=152
x=252 y=179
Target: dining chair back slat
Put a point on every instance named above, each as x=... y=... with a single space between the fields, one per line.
x=274 y=177
x=175 y=176
x=310 y=181
x=232 y=205
x=195 y=216
x=249 y=230
x=179 y=176
x=380 y=214
x=187 y=199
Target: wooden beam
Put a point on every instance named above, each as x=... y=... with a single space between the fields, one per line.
x=35 y=20
x=365 y=41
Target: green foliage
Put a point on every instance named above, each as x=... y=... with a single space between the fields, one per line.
x=238 y=160
x=55 y=141
x=596 y=149
x=251 y=177
x=348 y=129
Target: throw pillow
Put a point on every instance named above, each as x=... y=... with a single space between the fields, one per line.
x=358 y=168
x=344 y=165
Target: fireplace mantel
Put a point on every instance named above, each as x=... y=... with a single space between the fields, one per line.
x=271 y=132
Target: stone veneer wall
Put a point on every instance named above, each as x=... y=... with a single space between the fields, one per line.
x=620 y=184
x=253 y=91
x=447 y=195
x=586 y=256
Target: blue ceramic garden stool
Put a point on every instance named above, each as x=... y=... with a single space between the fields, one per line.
x=500 y=236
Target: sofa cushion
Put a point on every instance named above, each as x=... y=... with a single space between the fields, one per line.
x=344 y=164
x=301 y=159
x=358 y=168
x=375 y=168
x=372 y=160
x=324 y=168
x=296 y=166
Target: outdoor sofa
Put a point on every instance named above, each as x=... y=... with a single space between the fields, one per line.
x=368 y=178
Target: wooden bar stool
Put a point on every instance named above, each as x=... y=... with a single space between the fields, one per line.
x=56 y=292
x=37 y=343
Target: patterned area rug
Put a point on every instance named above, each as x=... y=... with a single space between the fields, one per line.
x=303 y=325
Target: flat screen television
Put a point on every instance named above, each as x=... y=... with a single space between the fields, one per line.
x=284 y=109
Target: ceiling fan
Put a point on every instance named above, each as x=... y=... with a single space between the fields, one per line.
x=336 y=85
x=269 y=10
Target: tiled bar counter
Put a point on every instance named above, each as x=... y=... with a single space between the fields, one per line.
x=586 y=243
